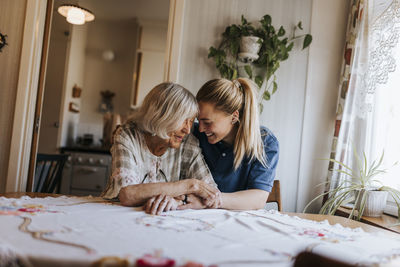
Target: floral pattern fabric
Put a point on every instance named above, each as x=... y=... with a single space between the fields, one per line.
x=133 y=163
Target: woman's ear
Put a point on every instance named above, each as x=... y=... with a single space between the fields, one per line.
x=235 y=117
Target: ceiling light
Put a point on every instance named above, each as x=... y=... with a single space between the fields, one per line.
x=76 y=14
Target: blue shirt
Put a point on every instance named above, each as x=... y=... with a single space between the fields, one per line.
x=250 y=174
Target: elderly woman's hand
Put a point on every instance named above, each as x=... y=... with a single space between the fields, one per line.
x=160 y=203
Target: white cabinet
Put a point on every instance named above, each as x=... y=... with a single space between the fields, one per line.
x=150 y=58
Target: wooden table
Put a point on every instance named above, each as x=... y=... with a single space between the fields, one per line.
x=386 y=222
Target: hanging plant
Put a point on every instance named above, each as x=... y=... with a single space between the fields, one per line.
x=233 y=61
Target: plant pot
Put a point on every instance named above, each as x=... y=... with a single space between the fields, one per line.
x=249 y=48
x=374 y=204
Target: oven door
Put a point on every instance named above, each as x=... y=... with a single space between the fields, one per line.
x=88 y=179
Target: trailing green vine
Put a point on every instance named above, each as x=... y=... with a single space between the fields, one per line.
x=275 y=47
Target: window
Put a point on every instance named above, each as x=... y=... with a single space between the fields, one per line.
x=386 y=128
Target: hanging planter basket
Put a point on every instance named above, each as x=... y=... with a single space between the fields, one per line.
x=249 y=48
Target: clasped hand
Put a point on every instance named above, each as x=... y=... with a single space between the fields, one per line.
x=163 y=203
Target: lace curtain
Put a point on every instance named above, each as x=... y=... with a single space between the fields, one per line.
x=372 y=33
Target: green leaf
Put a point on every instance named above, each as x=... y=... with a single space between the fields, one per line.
x=266 y=21
x=281 y=31
x=244 y=21
x=289 y=47
x=234 y=75
x=266 y=95
x=248 y=70
x=261 y=107
x=299 y=25
x=258 y=80
x=234 y=31
x=211 y=52
x=307 y=40
x=235 y=48
x=275 y=87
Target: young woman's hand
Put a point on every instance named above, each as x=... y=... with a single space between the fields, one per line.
x=161 y=203
x=195 y=202
x=215 y=203
x=206 y=191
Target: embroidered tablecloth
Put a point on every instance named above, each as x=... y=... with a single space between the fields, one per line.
x=82 y=230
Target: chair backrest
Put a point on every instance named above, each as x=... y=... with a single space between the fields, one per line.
x=307 y=259
x=48 y=172
x=275 y=195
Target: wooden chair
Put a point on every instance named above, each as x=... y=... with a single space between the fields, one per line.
x=309 y=259
x=48 y=172
x=275 y=195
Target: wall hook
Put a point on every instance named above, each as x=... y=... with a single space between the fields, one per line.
x=3 y=41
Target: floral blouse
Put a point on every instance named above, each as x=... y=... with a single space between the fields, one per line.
x=133 y=163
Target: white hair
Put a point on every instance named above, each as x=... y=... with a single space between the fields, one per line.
x=164 y=109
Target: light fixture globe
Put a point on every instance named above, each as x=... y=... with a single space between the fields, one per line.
x=75 y=14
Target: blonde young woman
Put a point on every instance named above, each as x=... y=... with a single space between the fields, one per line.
x=241 y=155
x=155 y=161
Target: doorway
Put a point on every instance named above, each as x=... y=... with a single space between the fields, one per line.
x=112 y=56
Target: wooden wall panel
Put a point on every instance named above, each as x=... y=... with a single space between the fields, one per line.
x=286 y=114
x=205 y=21
x=12 y=19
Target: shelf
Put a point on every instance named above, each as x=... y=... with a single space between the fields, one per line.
x=385 y=221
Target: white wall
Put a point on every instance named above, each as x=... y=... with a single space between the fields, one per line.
x=53 y=90
x=150 y=72
x=101 y=75
x=301 y=113
x=329 y=20
x=74 y=74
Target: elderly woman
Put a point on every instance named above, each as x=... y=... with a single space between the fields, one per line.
x=154 y=157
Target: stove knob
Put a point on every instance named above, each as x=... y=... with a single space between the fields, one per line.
x=90 y=160
x=79 y=159
x=101 y=161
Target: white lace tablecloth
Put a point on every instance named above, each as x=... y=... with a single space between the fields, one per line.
x=82 y=230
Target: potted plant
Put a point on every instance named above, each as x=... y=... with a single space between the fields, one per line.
x=363 y=189
x=271 y=45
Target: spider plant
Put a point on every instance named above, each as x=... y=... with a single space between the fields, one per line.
x=361 y=179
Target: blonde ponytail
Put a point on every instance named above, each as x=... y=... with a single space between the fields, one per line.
x=248 y=140
x=240 y=95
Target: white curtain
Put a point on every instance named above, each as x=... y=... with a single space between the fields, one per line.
x=372 y=39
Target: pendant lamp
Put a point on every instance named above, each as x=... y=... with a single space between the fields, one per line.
x=75 y=14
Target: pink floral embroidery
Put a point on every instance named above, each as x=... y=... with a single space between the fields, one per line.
x=313 y=233
x=149 y=260
x=125 y=177
x=28 y=208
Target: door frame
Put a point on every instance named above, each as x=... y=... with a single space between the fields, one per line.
x=27 y=89
x=31 y=85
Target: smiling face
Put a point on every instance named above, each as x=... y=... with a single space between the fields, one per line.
x=176 y=137
x=216 y=124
